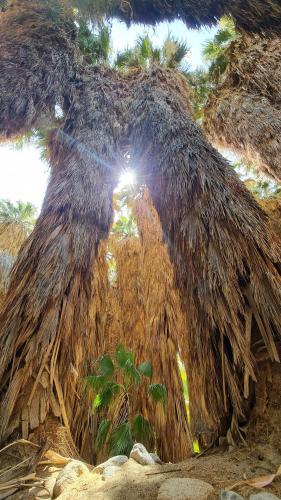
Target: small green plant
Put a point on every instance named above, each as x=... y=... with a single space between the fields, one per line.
x=115 y=386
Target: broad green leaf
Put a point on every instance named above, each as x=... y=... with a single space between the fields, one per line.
x=102 y=433
x=97 y=402
x=122 y=356
x=106 y=366
x=141 y=430
x=145 y=369
x=121 y=441
x=158 y=392
x=131 y=374
x=110 y=391
x=96 y=382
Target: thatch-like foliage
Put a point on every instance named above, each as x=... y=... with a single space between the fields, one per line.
x=6 y=264
x=47 y=331
x=250 y=15
x=165 y=326
x=37 y=63
x=244 y=113
x=272 y=206
x=145 y=315
x=220 y=243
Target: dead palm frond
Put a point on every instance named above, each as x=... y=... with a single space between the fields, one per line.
x=249 y=15
x=244 y=112
x=38 y=62
x=220 y=243
x=165 y=326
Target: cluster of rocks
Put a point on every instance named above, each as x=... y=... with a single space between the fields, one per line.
x=231 y=495
x=170 y=489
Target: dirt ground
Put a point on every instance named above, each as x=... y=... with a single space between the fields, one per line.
x=221 y=469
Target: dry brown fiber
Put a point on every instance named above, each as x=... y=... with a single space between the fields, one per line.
x=249 y=15
x=146 y=317
x=225 y=256
x=244 y=112
x=37 y=64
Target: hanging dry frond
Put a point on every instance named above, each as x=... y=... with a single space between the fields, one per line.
x=220 y=243
x=37 y=63
x=47 y=331
x=272 y=206
x=250 y=15
x=165 y=326
x=244 y=113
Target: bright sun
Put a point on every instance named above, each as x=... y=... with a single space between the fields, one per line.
x=127 y=178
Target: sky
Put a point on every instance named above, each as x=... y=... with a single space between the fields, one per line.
x=23 y=175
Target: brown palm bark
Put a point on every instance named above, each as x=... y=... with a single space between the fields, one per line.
x=225 y=256
x=47 y=332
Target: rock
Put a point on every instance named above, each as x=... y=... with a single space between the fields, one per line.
x=140 y=454
x=38 y=493
x=110 y=471
x=117 y=461
x=230 y=495
x=264 y=496
x=156 y=459
x=185 y=489
x=68 y=475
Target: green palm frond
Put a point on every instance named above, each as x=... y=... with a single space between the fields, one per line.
x=158 y=392
x=106 y=366
x=94 y=44
x=145 y=369
x=121 y=441
x=23 y=213
x=141 y=430
x=122 y=355
x=102 y=434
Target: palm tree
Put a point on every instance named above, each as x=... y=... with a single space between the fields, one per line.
x=243 y=111
x=145 y=54
x=215 y=51
x=94 y=44
x=252 y=15
x=16 y=223
x=224 y=254
x=54 y=348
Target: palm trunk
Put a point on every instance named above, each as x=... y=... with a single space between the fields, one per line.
x=37 y=64
x=47 y=333
x=224 y=255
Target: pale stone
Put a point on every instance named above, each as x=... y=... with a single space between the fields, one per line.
x=117 y=461
x=110 y=471
x=69 y=474
x=230 y=495
x=156 y=459
x=264 y=496
x=140 y=454
x=185 y=489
